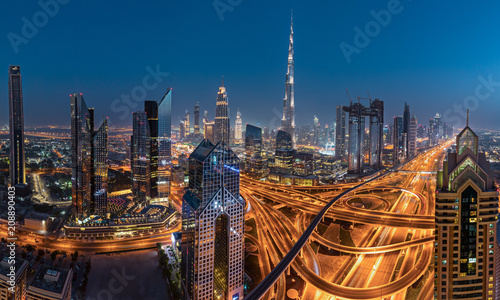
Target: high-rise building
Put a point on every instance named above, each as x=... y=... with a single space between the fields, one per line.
x=397 y=140
x=16 y=123
x=288 y=121
x=356 y=137
x=21 y=270
x=406 y=131
x=209 y=130
x=212 y=264
x=222 y=127
x=466 y=224
x=164 y=144
x=317 y=130
x=376 y=142
x=88 y=161
x=100 y=169
x=151 y=110
x=140 y=158
x=182 y=130
x=340 y=138
x=187 y=125
x=284 y=153
x=197 y=118
x=238 y=128
x=412 y=137
x=255 y=162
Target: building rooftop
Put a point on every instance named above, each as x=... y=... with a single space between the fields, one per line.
x=50 y=279
x=20 y=264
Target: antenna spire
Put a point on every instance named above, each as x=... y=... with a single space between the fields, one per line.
x=222 y=80
x=467 y=118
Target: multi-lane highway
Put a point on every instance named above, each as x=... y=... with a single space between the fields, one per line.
x=393 y=255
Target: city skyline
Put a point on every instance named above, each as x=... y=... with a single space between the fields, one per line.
x=408 y=74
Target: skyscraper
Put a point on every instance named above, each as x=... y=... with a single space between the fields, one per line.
x=466 y=223
x=100 y=169
x=288 y=121
x=187 y=126
x=212 y=262
x=222 y=127
x=340 y=138
x=406 y=131
x=197 y=118
x=376 y=142
x=151 y=110
x=356 y=137
x=238 y=128
x=16 y=125
x=317 y=131
x=164 y=143
x=284 y=153
x=412 y=137
x=141 y=158
x=255 y=163
x=397 y=140
x=88 y=161
x=209 y=130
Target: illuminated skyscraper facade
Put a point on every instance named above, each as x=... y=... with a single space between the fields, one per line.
x=288 y=121
x=412 y=137
x=140 y=159
x=466 y=224
x=238 y=128
x=283 y=158
x=197 y=118
x=406 y=131
x=340 y=133
x=213 y=218
x=255 y=163
x=151 y=110
x=16 y=126
x=222 y=127
x=164 y=144
x=89 y=176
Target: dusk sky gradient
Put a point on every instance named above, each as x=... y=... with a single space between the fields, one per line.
x=429 y=55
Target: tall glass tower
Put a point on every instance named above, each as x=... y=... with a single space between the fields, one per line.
x=164 y=144
x=151 y=110
x=140 y=159
x=16 y=122
x=288 y=121
x=212 y=264
x=197 y=118
x=222 y=126
x=89 y=178
x=340 y=133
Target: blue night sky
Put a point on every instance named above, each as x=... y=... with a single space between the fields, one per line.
x=432 y=55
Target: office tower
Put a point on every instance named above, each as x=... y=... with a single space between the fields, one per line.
x=222 y=117
x=164 y=144
x=406 y=131
x=340 y=139
x=182 y=130
x=412 y=137
x=187 y=125
x=397 y=140
x=16 y=123
x=100 y=169
x=316 y=131
x=88 y=161
x=151 y=110
x=140 y=159
x=197 y=118
x=238 y=128
x=21 y=269
x=50 y=284
x=255 y=162
x=466 y=223
x=205 y=117
x=376 y=143
x=209 y=130
x=356 y=137
x=212 y=262
x=288 y=121
x=284 y=153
